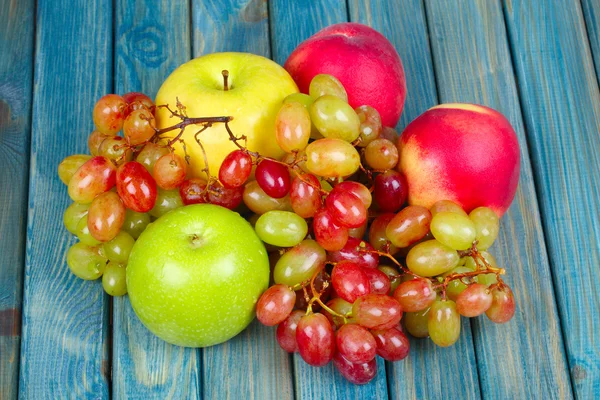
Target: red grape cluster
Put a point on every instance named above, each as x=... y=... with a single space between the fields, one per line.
x=349 y=259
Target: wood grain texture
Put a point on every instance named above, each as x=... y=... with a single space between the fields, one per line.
x=64 y=349
x=16 y=75
x=561 y=109
x=405 y=25
x=291 y=23
x=250 y=365
x=152 y=39
x=473 y=64
x=591 y=12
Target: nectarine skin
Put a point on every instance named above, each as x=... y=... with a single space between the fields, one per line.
x=362 y=59
x=461 y=152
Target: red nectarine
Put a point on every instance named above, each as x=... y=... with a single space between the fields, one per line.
x=461 y=152
x=362 y=59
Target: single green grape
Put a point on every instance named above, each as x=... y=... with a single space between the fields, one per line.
x=306 y=101
x=487 y=226
x=393 y=274
x=456 y=286
x=416 y=323
x=68 y=166
x=334 y=118
x=281 y=228
x=443 y=323
x=325 y=84
x=113 y=279
x=453 y=229
x=166 y=200
x=118 y=249
x=431 y=258
x=135 y=223
x=331 y=158
x=299 y=263
x=83 y=233
x=85 y=261
x=73 y=215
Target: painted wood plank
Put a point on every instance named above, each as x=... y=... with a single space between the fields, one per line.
x=250 y=365
x=64 y=349
x=561 y=109
x=16 y=76
x=152 y=39
x=591 y=12
x=405 y=25
x=291 y=23
x=473 y=64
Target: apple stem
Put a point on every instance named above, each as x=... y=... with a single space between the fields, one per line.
x=225 y=74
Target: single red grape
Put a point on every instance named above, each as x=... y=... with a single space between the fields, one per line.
x=415 y=295
x=305 y=195
x=226 y=197
x=377 y=311
x=136 y=187
x=328 y=233
x=503 y=305
x=286 y=332
x=97 y=175
x=390 y=190
x=355 y=343
x=378 y=281
x=349 y=281
x=357 y=189
x=316 y=343
x=357 y=251
x=235 y=169
x=346 y=209
x=139 y=126
x=275 y=305
x=474 y=300
x=392 y=344
x=273 y=178
x=105 y=216
x=359 y=374
x=192 y=191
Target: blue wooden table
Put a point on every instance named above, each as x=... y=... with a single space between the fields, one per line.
x=536 y=61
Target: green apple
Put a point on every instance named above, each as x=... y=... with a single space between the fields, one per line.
x=195 y=274
x=255 y=91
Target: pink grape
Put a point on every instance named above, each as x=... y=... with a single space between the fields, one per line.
x=390 y=190
x=415 y=295
x=392 y=344
x=346 y=209
x=109 y=114
x=235 y=169
x=328 y=233
x=273 y=178
x=357 y=251
x=286 y=332
x=409 y=226
x=377 y=237
x=316 y=343
x=355 y=343
x=136 y=187
x=106 y=216
x=357 y=189
x=136 y=101
x=226 y=197
x=170 y=171
x=305 y=195
x=503 y=305
x=370 y=124
x=474 y=300
x=377 y=311
x=349 y=281
x=95 y=176
x=378 y=281
x=139 y=126
x=275 y=305
x=356 y=373
x=150 y=154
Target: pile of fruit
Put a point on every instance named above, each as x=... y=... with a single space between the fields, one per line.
x=350 y=260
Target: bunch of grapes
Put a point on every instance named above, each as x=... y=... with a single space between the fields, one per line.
x=349 y=258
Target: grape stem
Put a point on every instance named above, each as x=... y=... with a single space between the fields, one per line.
x=317 y=298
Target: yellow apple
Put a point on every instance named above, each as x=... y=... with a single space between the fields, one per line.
x=256 y=89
